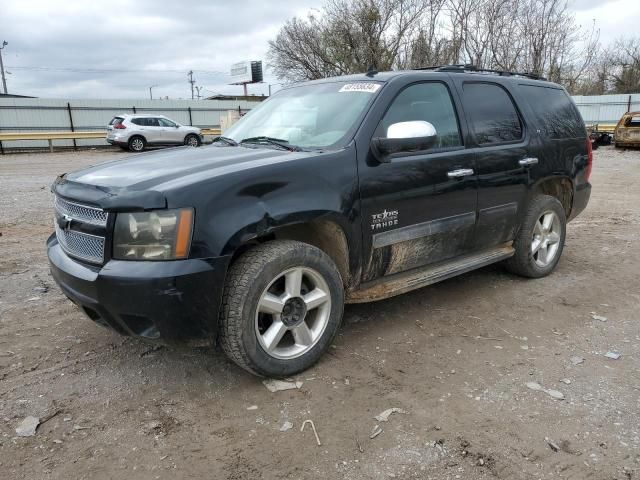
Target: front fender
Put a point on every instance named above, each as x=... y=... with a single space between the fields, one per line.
x=256 y=202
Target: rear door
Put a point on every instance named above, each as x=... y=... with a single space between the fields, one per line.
x=420 y=207
x=153 y=130
x=500 y=140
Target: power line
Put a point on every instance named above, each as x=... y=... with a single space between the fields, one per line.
x=112 y=70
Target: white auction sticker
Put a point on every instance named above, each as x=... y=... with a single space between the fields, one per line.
x=366 y=87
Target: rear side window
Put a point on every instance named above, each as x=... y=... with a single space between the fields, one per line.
x=146 y=122
x=555 y=114
x=494 y=118
x=116 y=120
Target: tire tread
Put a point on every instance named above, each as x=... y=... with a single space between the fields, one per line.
x=239 y=279
x=520 y=263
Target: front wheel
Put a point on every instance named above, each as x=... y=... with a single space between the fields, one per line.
x=282 y=307
x=541 y=238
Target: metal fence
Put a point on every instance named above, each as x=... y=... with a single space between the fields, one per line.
x=50 y=115
x=606 y=108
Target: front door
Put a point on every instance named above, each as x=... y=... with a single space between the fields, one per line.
x=170 y=131
x=420 y=207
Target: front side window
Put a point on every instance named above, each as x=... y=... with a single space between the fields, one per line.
x=166 y=123
x=494 y=118
x=310 y=116
x=632 y=121
x=429 y=102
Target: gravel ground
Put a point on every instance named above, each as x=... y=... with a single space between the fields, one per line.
x=456 y=357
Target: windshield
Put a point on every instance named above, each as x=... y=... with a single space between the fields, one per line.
x=310 y=116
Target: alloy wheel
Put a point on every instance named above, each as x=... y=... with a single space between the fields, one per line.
x=293 y=313
x=137 y=144
x=546 y=238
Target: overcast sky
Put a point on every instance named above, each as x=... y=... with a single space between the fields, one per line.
x=119 y=48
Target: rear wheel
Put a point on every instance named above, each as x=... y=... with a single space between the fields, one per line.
x=137 y=144
x=282 y=307
x=192 y=141
x=541 y=238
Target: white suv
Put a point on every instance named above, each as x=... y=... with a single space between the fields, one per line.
x=135 y=132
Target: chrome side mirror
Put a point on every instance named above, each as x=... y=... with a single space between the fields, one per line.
x=401 y=137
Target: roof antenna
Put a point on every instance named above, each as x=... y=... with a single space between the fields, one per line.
x=371 y=71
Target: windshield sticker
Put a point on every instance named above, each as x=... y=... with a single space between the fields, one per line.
x=360 y=87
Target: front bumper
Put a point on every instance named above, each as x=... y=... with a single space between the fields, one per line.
x=173 y=301
x=581 y=197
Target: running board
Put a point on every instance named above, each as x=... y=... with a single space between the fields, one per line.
x=399 y=283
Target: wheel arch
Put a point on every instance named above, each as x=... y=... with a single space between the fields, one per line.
x=137 y=135
x=325 y=233
x=560 y=187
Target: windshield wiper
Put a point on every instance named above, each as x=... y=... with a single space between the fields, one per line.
x=227 y=140
x=271 y=141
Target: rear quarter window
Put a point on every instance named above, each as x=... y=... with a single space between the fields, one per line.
x=116 y=120
x=554 y=112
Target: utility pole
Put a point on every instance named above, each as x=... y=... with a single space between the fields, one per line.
x=198 y=90
x=4 y=80
x=151 y=91
x=192 y=82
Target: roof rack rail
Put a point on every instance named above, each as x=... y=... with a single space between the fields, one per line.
x=469 y=68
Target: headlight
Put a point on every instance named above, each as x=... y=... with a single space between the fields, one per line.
x=156 y=235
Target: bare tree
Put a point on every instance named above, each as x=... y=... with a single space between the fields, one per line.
x=348 y=36
x=625 y=67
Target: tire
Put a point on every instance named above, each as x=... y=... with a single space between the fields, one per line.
x=269 y=272
x=538 y=248
x=192 y=140
x=137 y=144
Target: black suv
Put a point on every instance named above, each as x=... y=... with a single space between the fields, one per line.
x=349 y=189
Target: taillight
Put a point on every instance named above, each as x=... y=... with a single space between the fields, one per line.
x=119 y=126
x=587 y=171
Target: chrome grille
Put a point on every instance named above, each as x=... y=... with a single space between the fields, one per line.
x=75 y=242
x=82 y=213
x=81 y=245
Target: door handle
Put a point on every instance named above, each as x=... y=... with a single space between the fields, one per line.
x=528 y=161
x=460 y=172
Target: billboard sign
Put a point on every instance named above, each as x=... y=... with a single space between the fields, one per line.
x=241 y=73
x=246 y=72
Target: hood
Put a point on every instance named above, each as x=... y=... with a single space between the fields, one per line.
x=139 y=180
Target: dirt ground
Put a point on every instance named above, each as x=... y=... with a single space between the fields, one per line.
x=455 y=356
